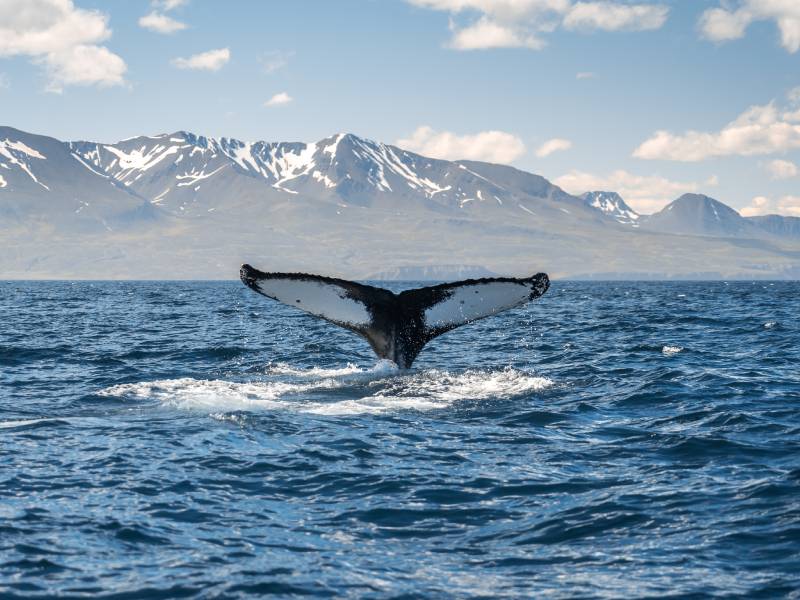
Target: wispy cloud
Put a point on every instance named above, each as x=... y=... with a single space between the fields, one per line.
x=275 y=60
x=523 y=23
x=213 y=60
x=161 y=23
x=65 y=40
x=586 y=75
x=489 y=146
x=615 y=16
x=168 y=5
x=551 y=146
x=789 y=205
x=280 y=99
x=782 y=169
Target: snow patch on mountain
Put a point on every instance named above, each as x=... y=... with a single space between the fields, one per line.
x=7 y=145
x=189 y=179
x=333 y=146
x=294 y=165
x=13 y=151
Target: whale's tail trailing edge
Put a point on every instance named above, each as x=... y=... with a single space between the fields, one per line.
x=397 y=326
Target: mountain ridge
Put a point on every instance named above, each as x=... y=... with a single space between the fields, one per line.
x=185 y=205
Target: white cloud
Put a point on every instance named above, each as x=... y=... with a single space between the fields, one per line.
x=489 y=146
x=789 y=205
x=612 y=16
x=273 y=61
x=61 y=38
x=279 y=99
x=84 y=65
x=726 y=23
x=486 y=33
x=554 y=145
x=758 y=130
x=161 y=23
x=167 y=5
x=520 y=23
x=213 y=60
x=720 y=25
x=645 y=194
x=761 y=205
x=585 y=75
x=781 y=169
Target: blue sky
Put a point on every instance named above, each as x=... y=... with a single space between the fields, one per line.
x=576 y=91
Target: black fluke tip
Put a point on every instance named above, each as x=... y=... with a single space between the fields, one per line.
x=248 y=275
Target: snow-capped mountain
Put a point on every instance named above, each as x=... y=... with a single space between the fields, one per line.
x=695 y=214
x=180 y=205
x=42 y=181
x=185 y=173
x=612 y=205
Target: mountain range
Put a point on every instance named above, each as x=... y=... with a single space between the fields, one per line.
x=180 y=205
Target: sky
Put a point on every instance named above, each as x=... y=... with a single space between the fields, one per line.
x=651 y=99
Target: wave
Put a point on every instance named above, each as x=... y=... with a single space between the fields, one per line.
x=382 y=388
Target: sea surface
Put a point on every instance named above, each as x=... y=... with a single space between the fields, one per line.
x=194 y=439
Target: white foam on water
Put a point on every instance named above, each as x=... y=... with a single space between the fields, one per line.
x=383 y=367
x=770 y=324
x=200 y=394
x=373 y=405
x=671 y=350
x=381 y=389
x=473 y=384
x=23 y=422
x=431 y=390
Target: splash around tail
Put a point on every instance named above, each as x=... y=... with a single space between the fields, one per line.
x=349 y=390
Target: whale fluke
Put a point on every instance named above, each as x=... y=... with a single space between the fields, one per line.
x=397 y=326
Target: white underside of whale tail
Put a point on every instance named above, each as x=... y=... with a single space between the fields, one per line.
x=319 y=298
x=470 y=302
x=344 y=303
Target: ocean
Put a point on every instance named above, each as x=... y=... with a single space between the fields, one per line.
x=194 y=439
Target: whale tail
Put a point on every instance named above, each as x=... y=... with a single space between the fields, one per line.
x=397 y=326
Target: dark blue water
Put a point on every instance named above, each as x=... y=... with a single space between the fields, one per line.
x=195 y=439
